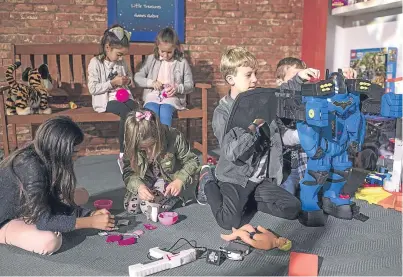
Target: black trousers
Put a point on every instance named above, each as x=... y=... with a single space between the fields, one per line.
x=121 y=109
x=234 y=206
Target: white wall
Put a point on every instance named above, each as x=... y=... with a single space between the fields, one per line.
x=380 y=29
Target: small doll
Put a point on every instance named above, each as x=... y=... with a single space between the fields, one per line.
x=259 y=238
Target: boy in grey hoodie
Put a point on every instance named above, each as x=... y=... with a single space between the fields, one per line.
x=246 y=180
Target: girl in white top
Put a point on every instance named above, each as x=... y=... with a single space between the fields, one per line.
x=166 y=77
x=107 y=73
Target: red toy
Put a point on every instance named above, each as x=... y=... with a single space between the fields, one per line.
x=168 y=218
x=103 y=204
x=122 y=95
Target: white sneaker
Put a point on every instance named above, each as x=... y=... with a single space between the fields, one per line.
x=120 y=164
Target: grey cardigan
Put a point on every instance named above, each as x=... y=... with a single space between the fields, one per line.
x=149 y=73
x=98 y=84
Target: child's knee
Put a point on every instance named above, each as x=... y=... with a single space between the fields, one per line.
x=50 y=243
x=292 y=210
x=229 y=222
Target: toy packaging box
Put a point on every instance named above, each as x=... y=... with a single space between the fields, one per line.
x=376 y=65
x=339 y=3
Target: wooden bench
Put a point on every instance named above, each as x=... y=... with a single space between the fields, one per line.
x=68 y=64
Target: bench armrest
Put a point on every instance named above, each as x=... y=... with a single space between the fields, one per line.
x=201 y=85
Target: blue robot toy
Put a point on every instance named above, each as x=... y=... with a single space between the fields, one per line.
x=331 y=127
x=334 y=130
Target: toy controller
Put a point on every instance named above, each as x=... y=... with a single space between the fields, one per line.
x=166 y=261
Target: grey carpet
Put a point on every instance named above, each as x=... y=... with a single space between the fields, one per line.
x=347 y=247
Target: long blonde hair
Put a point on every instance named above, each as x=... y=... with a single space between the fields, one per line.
x=142 y=125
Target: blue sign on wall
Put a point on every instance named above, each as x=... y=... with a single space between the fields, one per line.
x=145 y=18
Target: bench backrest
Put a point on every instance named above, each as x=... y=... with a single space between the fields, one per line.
x=68 y=63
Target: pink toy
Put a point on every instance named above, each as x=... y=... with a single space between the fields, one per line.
x=150 y=226
x=128 y=241
x=103 y=204
x=122 y=95
x=138 y=232
x=168 y=218
x=114 y=238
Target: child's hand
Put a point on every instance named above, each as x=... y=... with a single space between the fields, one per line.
x=349 y=73
x=103 y=221
x=120 y=81
x=125 y=80
x=174 y=188
x=145 y=193
x=258 y=122
x=309 y=73
x=171 y=90
x=157 y=85
x=101 y=211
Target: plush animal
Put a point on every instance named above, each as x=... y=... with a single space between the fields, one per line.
x=24 y=99
x=259 y=238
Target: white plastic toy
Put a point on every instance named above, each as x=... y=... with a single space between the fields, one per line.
x=166 y=261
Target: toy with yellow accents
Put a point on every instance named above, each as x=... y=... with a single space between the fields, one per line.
x=334 y=130
x=259 y=238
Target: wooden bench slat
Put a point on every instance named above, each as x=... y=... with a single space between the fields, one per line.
x=84 y=114
x=78 y=70
x=192 y=113
x=38 y=60
x=87 y=62
x=25 y=62
x=65 y=69
x=77 y=49
x=53 y=69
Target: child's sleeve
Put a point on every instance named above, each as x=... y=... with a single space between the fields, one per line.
x=95 y=86
x=294 y=83
x=130 y=178
x=237 y=144
x=289 y=136
x=57 y=217
x=128 y=73
x=188 y=84
x=187 y=158
x=141 y=77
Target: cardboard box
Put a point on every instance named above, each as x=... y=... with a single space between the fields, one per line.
x=376 y=65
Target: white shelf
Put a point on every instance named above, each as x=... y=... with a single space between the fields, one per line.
x=367 y=7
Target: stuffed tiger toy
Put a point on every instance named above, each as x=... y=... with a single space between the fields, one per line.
x=28 y=99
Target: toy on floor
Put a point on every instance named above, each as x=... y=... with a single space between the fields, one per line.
x=103 y=204
x=303 y=264
x=166 y=259
x=377 y=195
x=168 y=218
x=149 y=226
x=259 y=238
x=120 y=240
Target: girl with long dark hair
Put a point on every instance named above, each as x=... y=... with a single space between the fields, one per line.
x=38 y=189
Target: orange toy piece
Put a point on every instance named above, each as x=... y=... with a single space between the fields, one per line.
x=302 y=264
x=392 y=202
x=259 y=238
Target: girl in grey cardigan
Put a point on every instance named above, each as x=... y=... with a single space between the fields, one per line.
x=166 y=77
x=109 y=72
